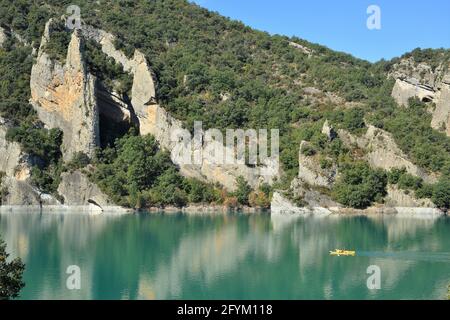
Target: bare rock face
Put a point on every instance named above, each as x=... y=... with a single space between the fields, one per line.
x=77 y=190
x=329 y=131
x=303 y=49
x=311 y=172
x=17 y=172
x=16 y=167
x=428 y=84
x=383 y=152
x=399 y=198
x=164 y=127
x=441 y=115
x=312 y=196
x=3 y=36
x=280 y=205
x=143 y=92
x=64 y=97
x=403 y=90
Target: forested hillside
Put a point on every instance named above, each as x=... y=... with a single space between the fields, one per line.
x=212 y=69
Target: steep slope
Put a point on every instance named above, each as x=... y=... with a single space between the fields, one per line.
x=431 y=84
x=174 y=63
x=64 y=97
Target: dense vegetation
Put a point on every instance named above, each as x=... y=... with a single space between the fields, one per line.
x=137 y=174
x=10 y=275
x=359 y=185
x=213 y=69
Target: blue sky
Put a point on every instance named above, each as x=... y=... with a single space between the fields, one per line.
x=341 y=24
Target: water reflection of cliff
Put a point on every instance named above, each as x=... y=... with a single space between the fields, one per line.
x=230 y=257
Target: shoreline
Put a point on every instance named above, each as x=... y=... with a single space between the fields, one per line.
x=418 y=212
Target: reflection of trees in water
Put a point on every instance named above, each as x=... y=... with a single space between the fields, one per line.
x=239 y=256
x=49 y=244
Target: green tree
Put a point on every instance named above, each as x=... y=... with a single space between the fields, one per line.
x=441 y=194
x=359 y=185
x=354 y=119
x=10 y=275
x=243 y=191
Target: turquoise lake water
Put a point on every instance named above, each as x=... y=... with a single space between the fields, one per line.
x=228 y=257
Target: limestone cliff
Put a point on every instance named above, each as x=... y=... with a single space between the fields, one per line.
x=64 y=97
x=155 y=120
x=311 y=172
x=16 y=182
x=78 y=190
x=400 y=198
x=428 y=84
x=381 y=151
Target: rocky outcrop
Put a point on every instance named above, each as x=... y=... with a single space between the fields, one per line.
x=280 y=205
x=428 y=84
x=303 y=49
x=143 y=92
x=397 y=203
x=329 y=131
x=164 y=128
x=403 y=90
x=3 y=36
x=441 y=114
x=311 y=172
x=311 y=196
x=400 y=198
x=77 y=190
x=16 y=167
x=381 y=151
x=64 y=97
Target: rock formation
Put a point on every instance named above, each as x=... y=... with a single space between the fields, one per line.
x=303 y=49
x=280 y=205
x=64 y=97
x=329 y=131
x=77 y=189
x=3 y=36
x=441 y=115
x=311 y=172
x=16 y=167
x=428 y=84
x=400 y=198
x=155 y=120
x=382 y=152
x=404 y=89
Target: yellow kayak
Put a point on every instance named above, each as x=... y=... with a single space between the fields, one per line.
x=339 y=253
